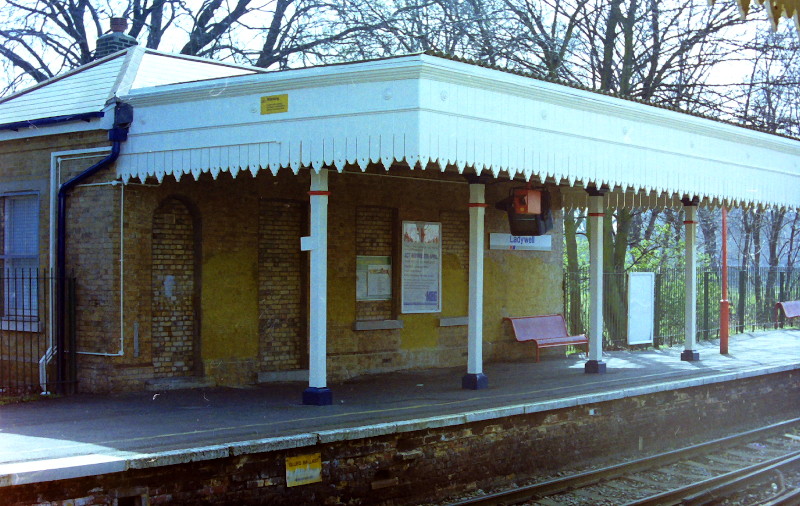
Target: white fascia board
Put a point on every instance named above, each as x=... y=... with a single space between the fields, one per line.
x=496 y=81
x=343 y=122
x=444 y=70
x=279 y=81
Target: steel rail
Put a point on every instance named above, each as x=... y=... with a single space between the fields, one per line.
x=584 y=479
x=788 y=498
x=705 y=491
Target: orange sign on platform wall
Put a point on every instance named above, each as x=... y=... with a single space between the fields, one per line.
x=527 y=201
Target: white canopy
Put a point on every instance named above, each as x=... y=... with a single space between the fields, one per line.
x=424 y=110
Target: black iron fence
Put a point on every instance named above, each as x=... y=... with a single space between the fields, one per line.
x=752 y=294
x=29 y=358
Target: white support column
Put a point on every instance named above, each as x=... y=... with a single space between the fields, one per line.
x=318 y=392
x=595 y=364
x=690 y=222
x=475 y=379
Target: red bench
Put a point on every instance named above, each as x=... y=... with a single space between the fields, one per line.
x=791 y=309
x=545 y=331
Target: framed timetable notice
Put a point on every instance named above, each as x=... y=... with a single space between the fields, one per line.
x=373 y=278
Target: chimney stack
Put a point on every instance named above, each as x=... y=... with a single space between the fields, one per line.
x=115 y=41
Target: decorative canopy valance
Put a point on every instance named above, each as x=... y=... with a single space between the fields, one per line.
x=789 y=9
x=431 y=112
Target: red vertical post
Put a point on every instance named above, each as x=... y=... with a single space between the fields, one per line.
x=724 y=304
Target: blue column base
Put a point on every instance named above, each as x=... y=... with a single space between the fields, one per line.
x=317 y=396
x=690 y=356
x=477 y=381
x=594 y=367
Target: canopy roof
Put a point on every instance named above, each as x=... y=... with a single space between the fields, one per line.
x=433 y=112
x=84 y=93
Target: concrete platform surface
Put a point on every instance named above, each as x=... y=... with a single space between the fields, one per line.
x=84 y=435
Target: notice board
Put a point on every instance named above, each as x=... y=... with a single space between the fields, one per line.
x=421 y=270
x=641 y=307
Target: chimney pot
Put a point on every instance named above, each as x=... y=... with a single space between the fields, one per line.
x=117 y=40
x=119 y=25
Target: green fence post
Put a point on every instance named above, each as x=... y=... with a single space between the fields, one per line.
x=657 y=337
x=782 y=296
x=742 y=300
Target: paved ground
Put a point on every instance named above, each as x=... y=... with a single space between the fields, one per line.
x=42 y=435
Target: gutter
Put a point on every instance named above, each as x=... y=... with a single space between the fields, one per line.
x=19 y=125
x=123 y=116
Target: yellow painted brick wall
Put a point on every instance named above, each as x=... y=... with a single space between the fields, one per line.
x=253 y=276
x=282 y=277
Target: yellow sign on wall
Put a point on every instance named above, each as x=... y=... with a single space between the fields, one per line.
x=303 y=469
x=272 y=104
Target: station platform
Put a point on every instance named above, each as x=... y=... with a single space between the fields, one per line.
x=86 y=435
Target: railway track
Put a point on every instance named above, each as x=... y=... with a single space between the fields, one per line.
x=698 y=474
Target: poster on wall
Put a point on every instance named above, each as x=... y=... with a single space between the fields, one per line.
x=421 y=285
x=373 y=277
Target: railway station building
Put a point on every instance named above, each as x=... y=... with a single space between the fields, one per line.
x=226 y=225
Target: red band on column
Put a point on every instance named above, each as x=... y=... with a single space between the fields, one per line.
x=597 y=215
x=316 y=192
x=690 y=222
x=477 y=204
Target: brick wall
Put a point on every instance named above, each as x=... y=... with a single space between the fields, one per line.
x=173 y=277
x=252 y=276
x=436 y=464
x=281 y=285
x=25 y=166
x=29 y=158
x=375 y=229
x=93 y=258
x=455 y=252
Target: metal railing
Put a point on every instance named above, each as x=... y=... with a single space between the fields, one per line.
x=752 y=294
x=27 y=352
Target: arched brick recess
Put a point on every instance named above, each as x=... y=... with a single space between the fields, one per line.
x=174 y=324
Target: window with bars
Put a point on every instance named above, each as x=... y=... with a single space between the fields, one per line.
x=19 y=255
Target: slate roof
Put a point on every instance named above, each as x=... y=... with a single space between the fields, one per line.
x=84 y=92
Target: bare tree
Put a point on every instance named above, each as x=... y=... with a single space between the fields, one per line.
x=709 y=225
x=651 y=50
x=542 y=35
x=770 y=98
x=462 y=28
x=42 y=38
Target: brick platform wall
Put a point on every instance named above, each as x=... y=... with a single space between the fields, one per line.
x=173 y=289
x=281 y=279
x=435 y=464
